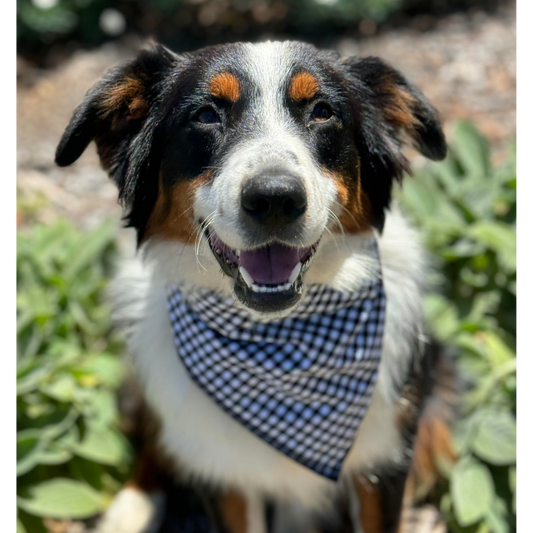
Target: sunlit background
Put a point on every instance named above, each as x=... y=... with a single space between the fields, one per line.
x=72 y=453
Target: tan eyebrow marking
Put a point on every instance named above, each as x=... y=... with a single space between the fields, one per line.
x=225 y=86
x=303 y=86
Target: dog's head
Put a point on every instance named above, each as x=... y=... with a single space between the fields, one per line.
x=254 y=153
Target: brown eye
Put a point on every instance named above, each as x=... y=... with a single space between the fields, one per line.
x=207 y=115
x=321 y=112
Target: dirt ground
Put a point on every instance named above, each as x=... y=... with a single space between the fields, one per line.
x=466 y=66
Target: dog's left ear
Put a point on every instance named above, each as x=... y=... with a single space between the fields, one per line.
x=387 y=109
x=388 y=98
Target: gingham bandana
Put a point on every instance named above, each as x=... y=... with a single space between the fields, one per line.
x=302 y=383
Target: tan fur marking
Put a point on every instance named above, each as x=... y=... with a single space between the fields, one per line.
x=138 y=108
x=433 y=447
x=172 y=216
x=127 y=93
x=233 y=510
x=303 y=87
x=225 y=86
x=356 y=213
x=399 y=107
x=370 y=511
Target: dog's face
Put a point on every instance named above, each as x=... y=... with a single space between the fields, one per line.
x=256 y=150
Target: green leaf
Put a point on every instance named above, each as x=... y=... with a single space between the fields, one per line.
x=61 y=389
x=442 y=316
x=108 y=368
x=89 y=248
x=463 y=432
x=472 y=491
x=29 y=445
x=499 y=353
x=472 y=149
x=497 y=236
x=495 y=440
x=54 y=455
x=462 y=248
x=34 y=446
x=105 y=410
x=483 y=304
x=60 y=426
x=30 y=381
x=61 y=498
x=497 y=520
x=102 y=445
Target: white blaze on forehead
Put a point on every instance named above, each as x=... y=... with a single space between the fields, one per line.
x=275 y=135
x=269 y=66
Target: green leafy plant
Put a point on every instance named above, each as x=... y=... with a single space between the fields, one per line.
x=466 y=209
x=71 y=457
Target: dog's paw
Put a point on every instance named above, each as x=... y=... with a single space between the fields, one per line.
x=133 y=511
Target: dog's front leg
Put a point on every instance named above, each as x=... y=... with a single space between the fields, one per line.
x=140 y=506
x=376 y=502
x=231 y=511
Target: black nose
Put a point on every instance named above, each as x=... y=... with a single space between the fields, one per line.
x=275 y=199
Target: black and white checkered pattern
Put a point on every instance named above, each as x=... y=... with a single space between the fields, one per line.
x=301 y=383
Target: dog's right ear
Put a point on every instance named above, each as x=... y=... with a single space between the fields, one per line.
x=115 y=110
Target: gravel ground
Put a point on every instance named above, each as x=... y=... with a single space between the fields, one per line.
x=466 y=65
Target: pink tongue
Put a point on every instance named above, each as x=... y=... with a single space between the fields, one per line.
x=270 y=265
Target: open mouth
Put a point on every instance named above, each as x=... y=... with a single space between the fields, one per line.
x=268 y=278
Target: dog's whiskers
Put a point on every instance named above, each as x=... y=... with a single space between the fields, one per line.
x=351 y=215
x=200 y=232
x=336 y=237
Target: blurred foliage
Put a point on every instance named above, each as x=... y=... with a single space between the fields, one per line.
x=93 y=21
x=71 y=458
x=60 y=26
x=466 y=210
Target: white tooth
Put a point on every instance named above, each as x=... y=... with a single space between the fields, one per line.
x=287 y=286
x=238 y=253
x=263 y=289
x=246 y=276
x=256 y=288
x=295 y=272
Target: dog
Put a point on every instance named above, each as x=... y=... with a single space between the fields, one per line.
x=252 y=174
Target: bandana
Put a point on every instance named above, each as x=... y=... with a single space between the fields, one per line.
x=302 y=383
